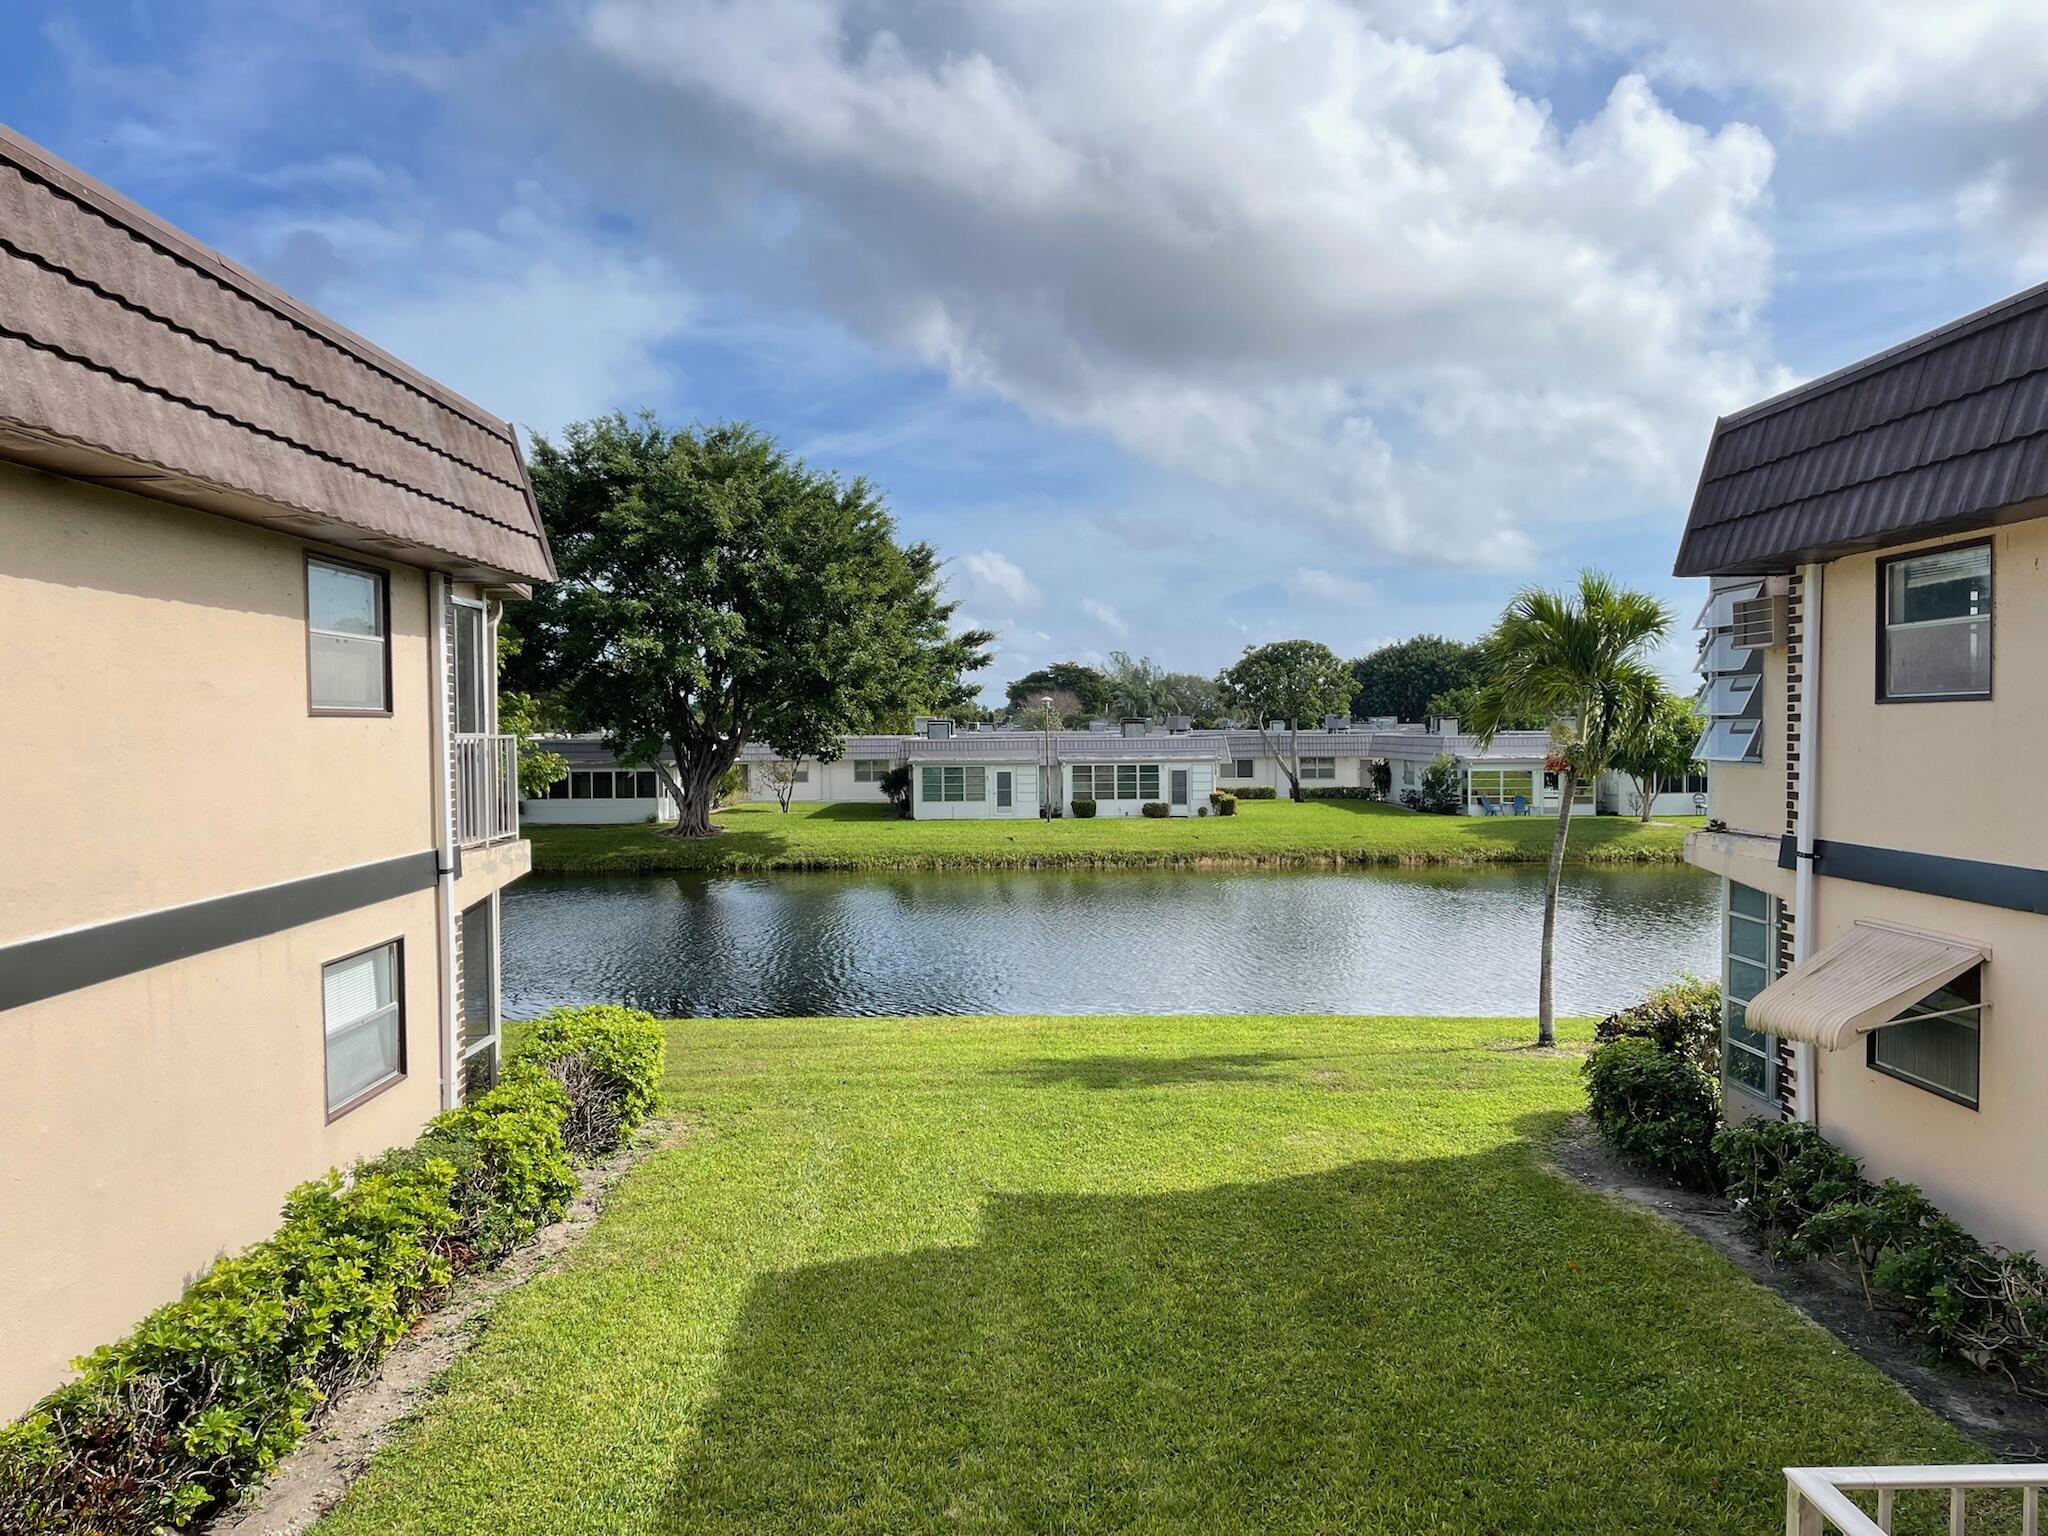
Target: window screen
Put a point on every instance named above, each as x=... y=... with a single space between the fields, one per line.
x=365 y=1033
x=346 y=639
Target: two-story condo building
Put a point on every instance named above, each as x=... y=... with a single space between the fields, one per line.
x=250 y=569
x=1876 y=648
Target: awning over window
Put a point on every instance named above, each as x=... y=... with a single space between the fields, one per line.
x=1862 y=981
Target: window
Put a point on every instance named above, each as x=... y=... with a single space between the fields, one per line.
x=1127 y=781
x=1935 y=635
x=602 y=784
x=472 y=676
x=628 y=782
x=1934 y=1044
x=1238 y=768
x=1318 y=768
x=1503 y=783
x=1748 y=1057
x=801 y=774
x=365 y=1026
x=974 y=786
x=1005 y=791
x=870 y=770
x=646 y=784
x=931 y=785
x=559 y=790
x=348 y=653
x=579 y=785
x=479 y=1000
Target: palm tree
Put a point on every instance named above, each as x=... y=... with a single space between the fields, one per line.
x=1578 y=659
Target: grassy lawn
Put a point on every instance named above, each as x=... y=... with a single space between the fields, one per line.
x=1129 y=1274
x=1263 y=832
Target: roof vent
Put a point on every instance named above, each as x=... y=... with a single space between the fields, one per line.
x=1336 y=722
x=1136 y=727
x=1759 y=623
x=1179 y=725
x=938 y=730
x=1098 y=725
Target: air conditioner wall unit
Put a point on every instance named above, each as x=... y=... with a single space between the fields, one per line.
x=1759 y=623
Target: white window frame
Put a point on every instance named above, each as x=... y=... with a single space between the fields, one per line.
x=380 y=584
x=330 y=1029
x=484 y=703
x=491 y=1041
x=1918 y=1011
x=1974 y=623
x=1319 y=768
x=870 y=770
x=1769 y=923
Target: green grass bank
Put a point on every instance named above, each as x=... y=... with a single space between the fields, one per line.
x=1160 y=1275
x=1263 y=833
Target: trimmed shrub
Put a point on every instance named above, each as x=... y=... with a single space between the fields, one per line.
x=1965 y=1300
x=1156 y=809
x=1339 y=792
x=1083 y=809
x=1253 y=792
x=1683 y=1016
x=1224 y=801
x=1654 y=1109
x=207 y=1393
x=607 y=1059
x=1780 y=1174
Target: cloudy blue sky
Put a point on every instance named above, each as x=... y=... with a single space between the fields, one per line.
x=1176 y=326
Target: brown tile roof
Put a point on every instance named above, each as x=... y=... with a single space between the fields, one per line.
x=1946 y=432
x=132 y=355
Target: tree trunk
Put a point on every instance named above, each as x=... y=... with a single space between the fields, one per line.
x=1546 y=1018
x=696 y=784
x=1294 y=773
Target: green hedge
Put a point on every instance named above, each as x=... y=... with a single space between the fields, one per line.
x=1340 y=792
x=1966 y=1300
x=207 y=1393
x=1682 y=1016
x=1156 y=809
x=1083 y=809
x=1253 y=792
x=1655 y=1109
x=1224 y=801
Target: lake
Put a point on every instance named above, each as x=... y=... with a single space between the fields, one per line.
x=1117 y=941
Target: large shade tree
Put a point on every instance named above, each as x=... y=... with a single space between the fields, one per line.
x=1579 y=659
x=1402 y=678
x=1291 y=681
x=1089 y=688
x=715 y=591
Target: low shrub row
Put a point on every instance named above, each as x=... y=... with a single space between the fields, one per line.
x=205 y=1396
x=1253 y=792
x=1156 y=809
x=1653 y=1090
x=1340 y=792
x=1966 y=1300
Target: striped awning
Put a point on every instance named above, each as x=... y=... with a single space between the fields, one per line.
x=1862 y=981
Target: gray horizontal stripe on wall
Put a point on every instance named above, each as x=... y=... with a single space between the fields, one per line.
x=38 y=968
x=2015 y=887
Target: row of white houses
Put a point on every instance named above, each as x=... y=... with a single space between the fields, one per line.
x=992 y=773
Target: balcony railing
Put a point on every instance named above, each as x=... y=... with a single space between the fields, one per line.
x=1817 y=1498
x=486 y=788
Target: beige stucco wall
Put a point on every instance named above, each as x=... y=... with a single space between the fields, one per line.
x=152 y=1122
x=1949 y=778
x=1750 y=797
x=1987 y=1166
x=156 y=713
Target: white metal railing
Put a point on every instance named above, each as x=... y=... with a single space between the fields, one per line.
x=486 y=788
x=1818 y=1497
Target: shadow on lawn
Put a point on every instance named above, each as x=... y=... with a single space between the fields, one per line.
x=1145 y=1071
x=1458 y=1345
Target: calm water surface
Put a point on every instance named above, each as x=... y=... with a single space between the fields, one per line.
x=1122 y=941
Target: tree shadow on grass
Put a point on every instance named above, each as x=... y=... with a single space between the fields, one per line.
x=1145 y=1071
x=1457 y=1345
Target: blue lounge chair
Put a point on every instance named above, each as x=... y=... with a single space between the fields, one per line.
x=1487 y=807
x=1521 y=805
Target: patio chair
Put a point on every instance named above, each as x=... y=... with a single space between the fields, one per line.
x=1521 y=805
x=1487 y=807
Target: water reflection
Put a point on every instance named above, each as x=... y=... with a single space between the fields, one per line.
x=1430 y=942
